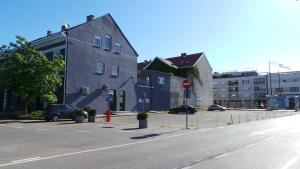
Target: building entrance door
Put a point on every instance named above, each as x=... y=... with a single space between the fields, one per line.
x=122 y=100
x=113 y=103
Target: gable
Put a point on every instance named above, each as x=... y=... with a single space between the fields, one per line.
x=101 y=26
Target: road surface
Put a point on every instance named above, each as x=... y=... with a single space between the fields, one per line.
x=264 y=144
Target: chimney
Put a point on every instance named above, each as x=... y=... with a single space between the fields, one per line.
x=145 y=61
x=89 y=18
x=183 y=54
x=49 y=32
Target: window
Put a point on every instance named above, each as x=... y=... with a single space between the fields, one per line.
x=161 y=80
x=108 y=42
x=49 y=56
x=117 y=48
x=62 y=52
x=294 y=89
x=147 y=80
x=97 y=41
x=115 y=71
x=100 y=68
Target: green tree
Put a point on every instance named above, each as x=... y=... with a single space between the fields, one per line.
x=29 y=74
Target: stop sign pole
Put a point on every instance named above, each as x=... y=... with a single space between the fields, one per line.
x=186 y=85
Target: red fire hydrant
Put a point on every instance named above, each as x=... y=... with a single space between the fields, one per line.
x=108 y=115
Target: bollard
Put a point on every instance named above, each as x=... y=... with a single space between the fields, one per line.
x=239 y=118
x=231 y=119
x=256 y=115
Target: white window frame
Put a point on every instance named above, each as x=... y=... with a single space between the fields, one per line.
x=108 y=46
x=161 y=80
x=112 y=70
x=97 y=38
x=98 y=68
x=117 y=48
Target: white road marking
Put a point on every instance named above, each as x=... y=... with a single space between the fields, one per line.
x=42 y=129
x=290 y=163
x=261 y=132
x=187 y=167
x=222 y=155
x=250 y=145
x=100 y=149
x=269 y=138
x=27 y=159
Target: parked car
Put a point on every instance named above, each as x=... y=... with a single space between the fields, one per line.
x=216 y=107
x=61 y=111
x=182 y=109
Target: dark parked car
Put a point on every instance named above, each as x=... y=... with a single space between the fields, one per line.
x=182 y=109
x=216 y=107
x=60 y=111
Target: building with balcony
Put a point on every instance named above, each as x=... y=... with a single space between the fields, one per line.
x=254 y=90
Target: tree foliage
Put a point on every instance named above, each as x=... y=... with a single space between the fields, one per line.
x=28 y=73
x=158 y=65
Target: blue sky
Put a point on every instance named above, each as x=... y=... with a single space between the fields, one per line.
x=234 y=34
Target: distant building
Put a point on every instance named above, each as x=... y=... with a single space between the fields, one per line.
x=240 y=89
x=285 y=89
x=251 y=90
x=165 y=78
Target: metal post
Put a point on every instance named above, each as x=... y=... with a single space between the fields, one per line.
x=186 y=114
x=197 y=122
x=271 y=90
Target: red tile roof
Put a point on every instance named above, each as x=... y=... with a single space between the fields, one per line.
x=179 y=61
x=185 y=61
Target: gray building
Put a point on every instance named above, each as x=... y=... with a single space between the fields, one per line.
x=170 y=72
x=99 y=61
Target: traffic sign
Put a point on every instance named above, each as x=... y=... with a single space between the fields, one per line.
x=186 y=84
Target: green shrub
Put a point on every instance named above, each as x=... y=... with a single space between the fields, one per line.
x=92 y=112
x=142 y=116
x=79 y=113
x=36 y=114
x=87 y=109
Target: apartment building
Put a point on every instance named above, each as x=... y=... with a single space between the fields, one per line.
x=253 y=90
x=240 y=89
x=285 y=89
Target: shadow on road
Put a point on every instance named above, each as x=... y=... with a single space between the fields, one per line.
x=145 y=136
x=128 y=129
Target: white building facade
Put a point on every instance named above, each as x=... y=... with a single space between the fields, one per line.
x=252 y=90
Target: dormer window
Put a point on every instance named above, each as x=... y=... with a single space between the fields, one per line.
x=97 y=41
x=117 y=48
x=108 y=42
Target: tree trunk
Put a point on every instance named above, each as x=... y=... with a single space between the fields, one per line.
x=27 y=102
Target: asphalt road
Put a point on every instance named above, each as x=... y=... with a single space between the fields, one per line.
x=265 y=144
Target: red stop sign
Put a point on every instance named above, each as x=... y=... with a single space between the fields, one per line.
x=186 y=84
